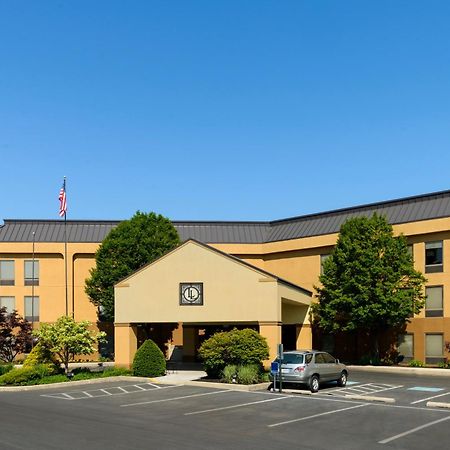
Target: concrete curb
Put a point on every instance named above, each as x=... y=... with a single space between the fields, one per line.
x=370 y=398
x=231 y=387
x=74 y=383
x=347 y=397
x=438 y=405
x=403 y=370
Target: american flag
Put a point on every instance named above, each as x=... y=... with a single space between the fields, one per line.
x=62 y=200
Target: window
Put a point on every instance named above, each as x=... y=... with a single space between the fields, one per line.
x=411 y=251
x=434 y=303
x=31 y=273
x=32 y=309
x=323 y=258
x=406 y=346
x=9 y=303
x=319 y=358
x=328 y=359
x=7 y=273
x=292 y=358
x=433 y=257
x=434 y=348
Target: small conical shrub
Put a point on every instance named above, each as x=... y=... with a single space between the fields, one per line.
x=42 y=355
x=149 y=361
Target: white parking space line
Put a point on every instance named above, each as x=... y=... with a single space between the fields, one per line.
x=96 y=393
x=235 y=406
x=175 y=398
x=413 y=430
x=430 y=398
x=362 y=389
x=317 y=415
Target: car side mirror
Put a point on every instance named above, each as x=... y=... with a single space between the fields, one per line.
x=337 y=361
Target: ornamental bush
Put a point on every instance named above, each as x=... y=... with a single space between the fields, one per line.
x=42 y=355
x=249 y=374
x=149 y=361
x=235 y=347
x=24 y=375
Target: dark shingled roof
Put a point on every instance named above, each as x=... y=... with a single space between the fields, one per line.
x=410 y=209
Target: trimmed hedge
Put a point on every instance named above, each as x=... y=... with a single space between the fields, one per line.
x=235 y=347
x=149 y=361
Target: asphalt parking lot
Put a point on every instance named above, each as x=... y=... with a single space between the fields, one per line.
x=124 y=415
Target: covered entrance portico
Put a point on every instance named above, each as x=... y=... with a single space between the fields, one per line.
x=188 y=294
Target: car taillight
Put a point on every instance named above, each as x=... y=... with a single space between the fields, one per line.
x=299 y=369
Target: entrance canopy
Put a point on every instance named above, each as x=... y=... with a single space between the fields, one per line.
x=196 y=283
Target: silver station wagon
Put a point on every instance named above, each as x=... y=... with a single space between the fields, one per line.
x=311 y=367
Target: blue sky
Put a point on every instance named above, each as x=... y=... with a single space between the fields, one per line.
x=221 y=110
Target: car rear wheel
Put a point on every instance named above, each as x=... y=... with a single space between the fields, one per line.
x=342 y=379
x=314 y=383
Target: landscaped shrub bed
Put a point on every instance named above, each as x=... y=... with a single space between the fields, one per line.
x=240 y=348
x=5 y=368
x=40 y=374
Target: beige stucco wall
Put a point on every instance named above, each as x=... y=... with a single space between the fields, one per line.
x=51 y=289
x=232 y=291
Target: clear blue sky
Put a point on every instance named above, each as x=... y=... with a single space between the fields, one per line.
x=221 y=110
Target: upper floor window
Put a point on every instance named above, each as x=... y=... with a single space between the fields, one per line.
x=9 y=303
x=434 y=303
x=411 y=251
x=7 y=273
x=32 y=309
x=31 y=273
x=323 y=258
x=433 y=257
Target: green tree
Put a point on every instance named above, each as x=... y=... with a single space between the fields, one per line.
x=369 y=283
x=66 y=338
x=129 y=246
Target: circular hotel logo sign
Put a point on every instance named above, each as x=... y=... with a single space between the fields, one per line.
x=191 y=293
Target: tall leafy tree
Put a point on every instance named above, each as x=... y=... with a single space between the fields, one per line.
x=369 y=283
x=66 y=338
x=15 y=335
x=129 y=246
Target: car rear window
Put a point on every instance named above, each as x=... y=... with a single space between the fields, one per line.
x=292 y=358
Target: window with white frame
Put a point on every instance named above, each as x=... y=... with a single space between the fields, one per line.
x=434 y=348
x=31 y=269
x=32 y=309
x=434 y=257
x=434 y=303
x=9 y=303
x=7 y=273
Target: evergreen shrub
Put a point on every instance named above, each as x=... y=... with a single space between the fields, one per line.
x=235 y=347
x=149 y=361
x=42 y=355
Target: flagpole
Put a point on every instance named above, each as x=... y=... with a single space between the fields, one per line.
x=65 y=252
